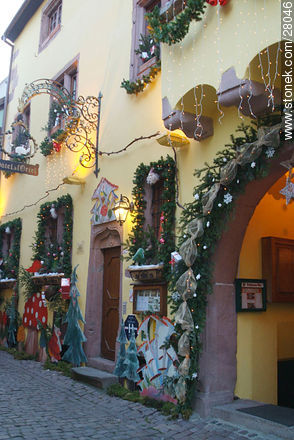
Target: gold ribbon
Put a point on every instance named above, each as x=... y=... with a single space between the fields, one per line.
x=246 y=153
x=184 y=317
x=266 y=137
x=186 y=284
x=181 y=389
x=188 y=251
x=228 y=172
x=185 y=366
x=209 y=198
x=195 y=228
x=184 y=344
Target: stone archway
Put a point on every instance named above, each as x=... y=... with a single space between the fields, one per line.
x=103 y=236
x=218 y=366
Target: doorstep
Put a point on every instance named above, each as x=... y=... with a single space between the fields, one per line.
x=233 y=413
x=98 y=378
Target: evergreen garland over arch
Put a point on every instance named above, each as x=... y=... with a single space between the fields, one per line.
x=259 y=142
x=140 y=237
x=11 y=262
x=39 y=247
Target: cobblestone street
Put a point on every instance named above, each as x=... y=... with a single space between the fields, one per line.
x=44 y=405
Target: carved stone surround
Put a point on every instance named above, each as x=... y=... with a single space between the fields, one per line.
x=103 y=236
x=218 y=364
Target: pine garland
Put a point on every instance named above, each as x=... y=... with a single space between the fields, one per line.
x=11 y=270
x=135 y=87
x=11 y=262
x=155 y=252
x=39 y=246
x=47 y=145
x=214 y=225
x=174 y=31
x=147 y=49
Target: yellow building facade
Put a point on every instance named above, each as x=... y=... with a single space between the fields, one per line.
x=224 y=72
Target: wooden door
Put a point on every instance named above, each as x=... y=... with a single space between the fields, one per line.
x=110 y=311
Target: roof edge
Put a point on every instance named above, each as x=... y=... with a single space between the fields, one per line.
x=21 y=18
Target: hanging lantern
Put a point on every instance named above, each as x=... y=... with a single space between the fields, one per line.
x=121 y=209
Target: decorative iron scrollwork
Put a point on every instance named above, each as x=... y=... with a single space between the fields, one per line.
x=21 y=145
x=82 y=118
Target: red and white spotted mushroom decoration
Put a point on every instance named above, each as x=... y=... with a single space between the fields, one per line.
x=35 y=310
x=215 y=2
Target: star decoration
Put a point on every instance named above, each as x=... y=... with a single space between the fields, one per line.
x=269 y=152
x=176 y=296
x=253 y=164
x=228 y=198
x=288 y=191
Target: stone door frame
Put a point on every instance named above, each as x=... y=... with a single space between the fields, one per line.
x=218 y=364
x=103 y=236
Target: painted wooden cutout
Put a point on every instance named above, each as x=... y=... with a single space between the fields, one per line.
x=105 y=198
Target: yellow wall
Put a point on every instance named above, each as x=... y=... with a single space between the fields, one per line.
x=231 y=38
x=99 y=34
x=264 y=337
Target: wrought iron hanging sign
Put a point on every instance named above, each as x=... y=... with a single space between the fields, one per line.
x=82 y=118
x=21 y=147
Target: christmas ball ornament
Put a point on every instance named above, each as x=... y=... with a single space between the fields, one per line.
x=56 y=146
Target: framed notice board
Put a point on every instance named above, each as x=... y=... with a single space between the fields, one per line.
x=250 y=295
x=150 y=298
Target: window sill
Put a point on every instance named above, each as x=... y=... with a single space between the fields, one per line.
x=7 y=284
x=171 y=9
x=144 y=69
x=50 y=37
x=56 y=128
x=146 y=273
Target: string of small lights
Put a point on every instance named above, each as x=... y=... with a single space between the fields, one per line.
x=47 y=192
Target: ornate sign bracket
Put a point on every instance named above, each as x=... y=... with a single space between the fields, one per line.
x=82 y=118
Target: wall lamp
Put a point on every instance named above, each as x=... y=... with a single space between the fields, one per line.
x=121 y=209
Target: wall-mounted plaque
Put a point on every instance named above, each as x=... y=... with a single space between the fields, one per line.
x=250 y=295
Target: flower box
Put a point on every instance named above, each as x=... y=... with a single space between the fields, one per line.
x=144 y=69
x=43 y=279
x=7 y=283
x=146 y=273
